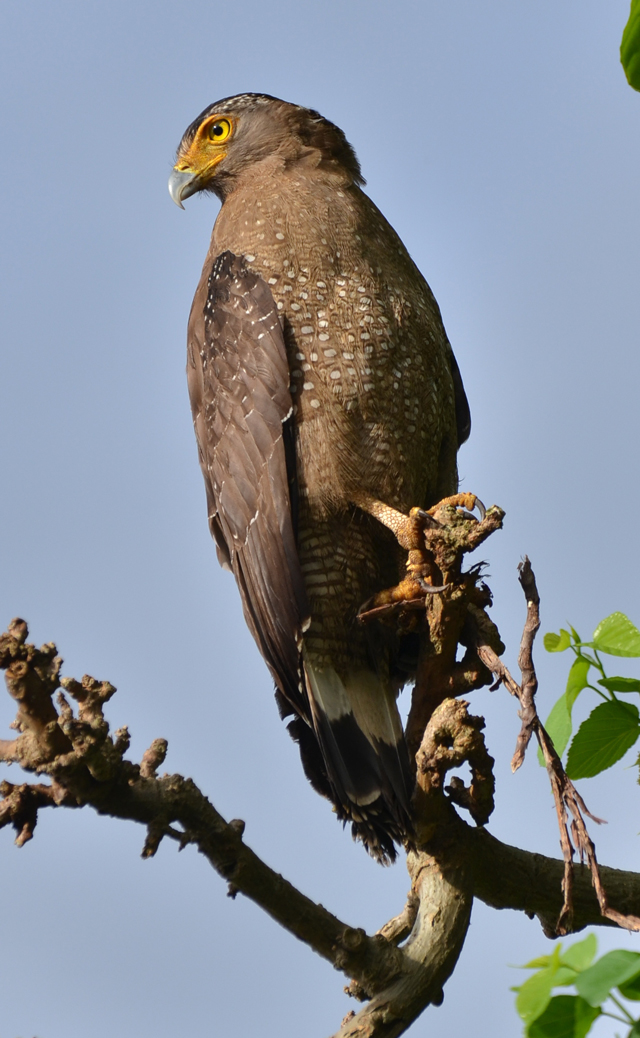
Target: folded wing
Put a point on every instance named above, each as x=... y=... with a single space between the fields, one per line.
x=239 y=389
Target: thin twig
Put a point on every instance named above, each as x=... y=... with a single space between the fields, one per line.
x=528 y=712
x=574 y=836
x=399 y=928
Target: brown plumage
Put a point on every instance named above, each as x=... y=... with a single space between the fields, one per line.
x=321 y=379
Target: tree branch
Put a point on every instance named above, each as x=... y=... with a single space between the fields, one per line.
x=508 y=877
x=402 y=968
x=445 y=897
x=453 y=863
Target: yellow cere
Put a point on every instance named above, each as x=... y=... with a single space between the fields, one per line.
x=203 y=153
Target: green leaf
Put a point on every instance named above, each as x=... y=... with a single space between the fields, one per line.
x=536 y=964
x=613 y=969
x=631 y=989
x=564 y=976
x=577 y=680
x=635 y=1030
x=534 y=995
x=558 y=723
x=580 y=955
x=609 y=731
x=630 y=47
x=620 y=684
x=617 y=636
x=557 y=642
x=566 y=1016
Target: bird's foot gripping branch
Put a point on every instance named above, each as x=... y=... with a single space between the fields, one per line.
x=402 y=968
x=437 y=542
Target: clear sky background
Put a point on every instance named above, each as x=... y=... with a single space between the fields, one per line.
x=501 y=141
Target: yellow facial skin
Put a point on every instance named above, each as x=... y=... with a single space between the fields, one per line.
x=207 y=148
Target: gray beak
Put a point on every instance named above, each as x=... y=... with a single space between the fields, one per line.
x=181 y=185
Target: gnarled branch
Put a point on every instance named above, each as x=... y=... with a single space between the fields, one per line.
x=402 y=968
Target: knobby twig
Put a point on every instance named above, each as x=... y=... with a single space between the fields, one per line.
x=529 y=685
x=574 y=836
x=91 y=770
x=453 y=737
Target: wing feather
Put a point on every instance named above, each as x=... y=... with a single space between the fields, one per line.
x=239 y=389
x=463 y=412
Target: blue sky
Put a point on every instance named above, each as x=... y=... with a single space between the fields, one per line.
x=501 y=141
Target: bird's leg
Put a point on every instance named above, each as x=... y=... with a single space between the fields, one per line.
x=409 y=529
x=423 y=575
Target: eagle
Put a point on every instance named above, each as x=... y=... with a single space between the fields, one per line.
x=326 y=398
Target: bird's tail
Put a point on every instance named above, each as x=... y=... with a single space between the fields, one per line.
x=358 y=728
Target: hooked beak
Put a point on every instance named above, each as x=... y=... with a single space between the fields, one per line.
x=182 y=184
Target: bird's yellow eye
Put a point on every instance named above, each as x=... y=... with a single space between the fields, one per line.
x=219 y=130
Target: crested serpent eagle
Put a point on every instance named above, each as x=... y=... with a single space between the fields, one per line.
x=324 y=392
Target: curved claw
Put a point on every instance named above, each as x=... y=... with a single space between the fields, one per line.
x=465 y=503
x=481 y=509
x=469 y=515
x=427 y=519
x=429 y=588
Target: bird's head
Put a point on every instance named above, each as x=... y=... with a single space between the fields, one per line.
x=238 y=132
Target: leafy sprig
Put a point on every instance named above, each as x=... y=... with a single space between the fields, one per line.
x=599 y=987
x=613 y=726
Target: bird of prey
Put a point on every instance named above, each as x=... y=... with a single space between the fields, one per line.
x=326 y=399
